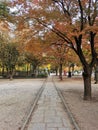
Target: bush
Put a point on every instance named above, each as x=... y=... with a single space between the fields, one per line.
x=42 y=75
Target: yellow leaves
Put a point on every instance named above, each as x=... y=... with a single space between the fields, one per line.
x=35 y=50
x=4 y=26
x=71 y=56
x=24 y=36
x=91 y=28
x=84 y=2
x=60 y=26
x=20 y=26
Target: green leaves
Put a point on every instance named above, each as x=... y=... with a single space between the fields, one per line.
x=4 y=11
x=9 y=55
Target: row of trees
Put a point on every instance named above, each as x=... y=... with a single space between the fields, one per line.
x=8 y=57
x=71 y=24
x=75 y=22
x=13 y=55
x=14 y=50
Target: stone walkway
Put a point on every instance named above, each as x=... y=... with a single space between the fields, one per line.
x=49 y=113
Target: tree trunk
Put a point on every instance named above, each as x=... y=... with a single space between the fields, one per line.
x=34 y=71
x=73 y=70
x=56 y=70
x=2 y=70
x=27 y=70
x=60 y=72
x=87 y=85
x=11 y=74
x=96 y=72
x=69 y=72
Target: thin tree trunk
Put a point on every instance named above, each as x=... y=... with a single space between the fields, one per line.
x=56 y=69
x=34 y=71
x=69 y=72
x=2 y=71
x=11 y=74
x=73 y=70
x=27 y=70
x=60 y=72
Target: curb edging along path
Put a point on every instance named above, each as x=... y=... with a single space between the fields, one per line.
x=72 y=119
x=24 y=126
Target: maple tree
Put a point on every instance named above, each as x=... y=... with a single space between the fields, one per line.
x=59 y=54
x=77 y=27
x=55 y=51
x=72 y=60
x=34 y=54
x=75 y=22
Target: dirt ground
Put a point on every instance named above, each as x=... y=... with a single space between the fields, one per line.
x=84 y=112
x=16 y=98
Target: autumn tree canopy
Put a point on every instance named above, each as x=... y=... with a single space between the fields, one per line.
x=75 y=22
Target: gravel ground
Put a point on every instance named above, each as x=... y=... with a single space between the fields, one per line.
x=84 y=112
x=16 y=97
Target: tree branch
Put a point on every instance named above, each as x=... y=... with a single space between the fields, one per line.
x=56 y=31
x=81 y=13
x=95 y=12
x=94 y=54
x=79 y=50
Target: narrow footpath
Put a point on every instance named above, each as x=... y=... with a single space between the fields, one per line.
x=49 y=113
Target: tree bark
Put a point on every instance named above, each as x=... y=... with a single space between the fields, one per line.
x=87 y=85
x=2 y=70
x=56 y=69
x=69 y=72
x=11 y=73
x=60 y=72
x=96 y=72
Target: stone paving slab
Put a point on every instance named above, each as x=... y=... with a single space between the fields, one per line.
x=49 y=113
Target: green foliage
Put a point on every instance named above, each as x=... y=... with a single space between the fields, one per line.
x=30 y=58
x=4 y=11
x=42 y=75
x=9 y=55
